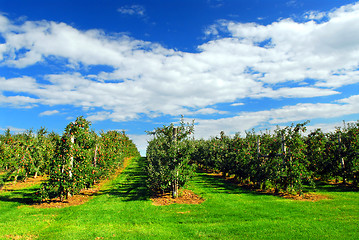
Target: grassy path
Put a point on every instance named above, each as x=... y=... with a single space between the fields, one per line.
x=123 y=210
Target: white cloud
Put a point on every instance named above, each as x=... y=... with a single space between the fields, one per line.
x=296 y=92
x=325 y=127
x=206 y=128
x=13 y=130
x=300 y=112
x=207 y=111
x=237 y=104
x=255 y=61
x=18 y=101
x=23 y=84
x=296 y=51
x=315 y=15
x=49 y=113
x=44 y=39
x=4 y=23
x=98 y=116
x=141 y=141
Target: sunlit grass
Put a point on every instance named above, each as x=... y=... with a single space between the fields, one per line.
x=123 y=210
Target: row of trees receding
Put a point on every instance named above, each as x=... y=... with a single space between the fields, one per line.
x=285 y=160
x=71 y=162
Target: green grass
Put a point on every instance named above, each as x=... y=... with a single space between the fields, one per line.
x=123 y=210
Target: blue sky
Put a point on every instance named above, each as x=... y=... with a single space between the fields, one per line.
x=137 y=65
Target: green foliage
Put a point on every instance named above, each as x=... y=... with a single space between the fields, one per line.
x=335 y=155
x=349 y=152
x=71 y=168
x=259 y=158
x=112 y=148
x=317 y=153
x=286 y=159
x=168 y=157
x=82 y=158
x=26 y=154
x=295 y=168
x=73 y=161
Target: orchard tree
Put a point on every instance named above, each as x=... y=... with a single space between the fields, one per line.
x=72 y=166
x=168 y=158
x=349 y=152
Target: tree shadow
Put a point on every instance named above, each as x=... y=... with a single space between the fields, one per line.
x=218 y=184
x=22 y=196
x=335 y=187
x=132 y=184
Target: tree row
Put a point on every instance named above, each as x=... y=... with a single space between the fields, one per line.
x=73 y=161
x=285 y=160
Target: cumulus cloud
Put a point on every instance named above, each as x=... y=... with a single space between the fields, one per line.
x=18 y=101
x=245 y=121
x=252 y=61
x=295 y=51
x=49 y=113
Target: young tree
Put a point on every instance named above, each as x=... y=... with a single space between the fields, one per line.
x=168 y=158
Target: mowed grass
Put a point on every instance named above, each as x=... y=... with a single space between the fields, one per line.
x=123 y=210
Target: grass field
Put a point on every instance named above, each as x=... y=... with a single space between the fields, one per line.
x=123 y=210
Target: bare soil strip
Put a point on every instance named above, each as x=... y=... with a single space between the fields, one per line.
x=185 y=197
x=11 y=186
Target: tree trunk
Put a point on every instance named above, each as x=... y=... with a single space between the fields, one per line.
x=175 y=187
x=95 y=157
x=17 y=175
x=175 y=182
x=341 y=158
x=72 y=157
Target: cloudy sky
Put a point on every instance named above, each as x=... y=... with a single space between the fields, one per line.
x=135 y=65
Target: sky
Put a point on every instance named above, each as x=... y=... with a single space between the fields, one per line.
x=230 y=66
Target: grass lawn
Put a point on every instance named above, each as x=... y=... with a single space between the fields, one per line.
x=123 y=210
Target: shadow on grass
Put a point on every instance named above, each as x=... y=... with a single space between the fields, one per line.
x=217 y=184
x=22 y=196
x=335 y=187
x=131 y=186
